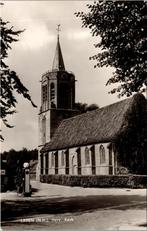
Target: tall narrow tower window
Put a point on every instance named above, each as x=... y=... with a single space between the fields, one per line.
x=52 y=91
x=44 y=93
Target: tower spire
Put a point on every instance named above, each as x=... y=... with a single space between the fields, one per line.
x=58 y=62
x=58 y=30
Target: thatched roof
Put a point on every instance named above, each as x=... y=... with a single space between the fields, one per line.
x=98 y=126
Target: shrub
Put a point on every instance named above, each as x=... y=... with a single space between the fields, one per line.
x=105 y=181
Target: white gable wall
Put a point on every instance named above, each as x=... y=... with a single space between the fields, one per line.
x=101 y=166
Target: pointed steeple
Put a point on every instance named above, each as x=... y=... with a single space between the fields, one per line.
x=58 y=63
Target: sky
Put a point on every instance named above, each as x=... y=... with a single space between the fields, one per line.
x=33 y=55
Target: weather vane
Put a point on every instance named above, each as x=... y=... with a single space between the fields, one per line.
x=58 y=29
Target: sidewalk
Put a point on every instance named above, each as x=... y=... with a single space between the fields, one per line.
x=43 y=190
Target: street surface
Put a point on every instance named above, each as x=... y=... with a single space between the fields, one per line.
x=55 y=207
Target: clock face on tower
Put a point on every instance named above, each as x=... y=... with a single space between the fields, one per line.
x=64 y=76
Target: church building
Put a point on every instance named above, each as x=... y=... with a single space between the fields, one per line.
x=98 y=142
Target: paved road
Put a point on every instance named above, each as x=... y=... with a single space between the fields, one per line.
x=70 y=211
x=15 y=209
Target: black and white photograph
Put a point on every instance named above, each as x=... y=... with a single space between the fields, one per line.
x=73 y=115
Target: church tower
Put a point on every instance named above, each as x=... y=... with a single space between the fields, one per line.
x=57 y=97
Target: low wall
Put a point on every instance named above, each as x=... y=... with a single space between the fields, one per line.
x=118 y=181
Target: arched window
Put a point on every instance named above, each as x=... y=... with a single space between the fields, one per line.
x=43 y=130
x=62 y=158
x=73 y=164
x=87 y=156
x=53 y=159
x=102 y=154
x=52 y=91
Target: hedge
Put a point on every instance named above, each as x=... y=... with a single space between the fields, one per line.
x=104 y=181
